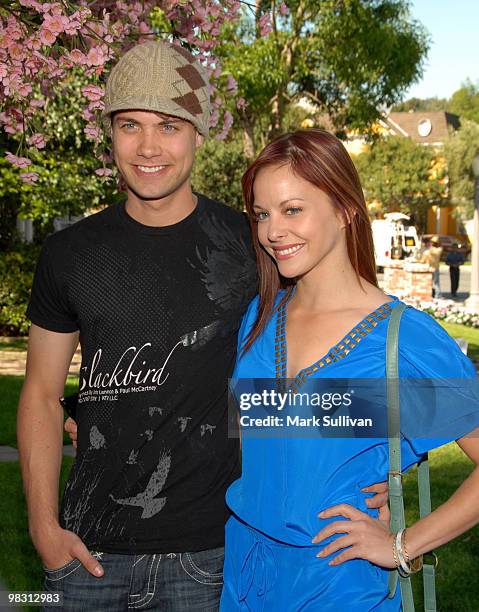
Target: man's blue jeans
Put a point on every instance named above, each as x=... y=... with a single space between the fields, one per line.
x=170 y=582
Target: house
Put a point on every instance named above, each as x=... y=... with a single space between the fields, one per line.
x=430 y=129
x=427 y=128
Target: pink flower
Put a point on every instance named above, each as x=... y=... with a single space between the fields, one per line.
x=47 y=37
x=97 y=105
x=240 y=103
x=37 y=140
x=228 y=122
x=283 y=9
x=29 y=177
x=56 y=23
x=77 y=57
x=93 y=93
x=93 y=132
x=16 y=52
x=96 y=57
x=117 y=29
x=3 y=71
x=88 y=115
x=19 y=162
x=144 y=28
x=11 y=84
x=214 y=118
x=104 y=171
x=265 y=26
x=72 y=27
x=232 y=85
x=24 y=89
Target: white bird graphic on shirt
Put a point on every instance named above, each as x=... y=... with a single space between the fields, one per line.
x=151 y=505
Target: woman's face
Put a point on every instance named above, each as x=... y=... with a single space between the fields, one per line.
x=297 y=223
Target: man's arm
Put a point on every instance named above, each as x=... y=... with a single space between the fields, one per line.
x=40 y=443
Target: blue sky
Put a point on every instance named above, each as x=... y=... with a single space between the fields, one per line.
x=454 y=54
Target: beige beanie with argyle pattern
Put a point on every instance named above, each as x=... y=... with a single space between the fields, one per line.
x=162 y=77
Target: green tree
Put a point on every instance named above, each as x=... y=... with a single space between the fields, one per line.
x=421 y=105
x=465 y=102
x=461 y=149
x=67 y=183
x=400 y=175
x=349 y=59
x=10 y=202
x=218 y=169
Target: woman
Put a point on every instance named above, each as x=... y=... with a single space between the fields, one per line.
x=302 y=536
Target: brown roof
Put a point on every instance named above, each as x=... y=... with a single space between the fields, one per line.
x=437 y=130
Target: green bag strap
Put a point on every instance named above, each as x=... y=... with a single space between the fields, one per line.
x=395 y=477
x=429 y=568
x=396 y=501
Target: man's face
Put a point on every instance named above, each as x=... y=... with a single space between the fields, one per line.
x=154 y=153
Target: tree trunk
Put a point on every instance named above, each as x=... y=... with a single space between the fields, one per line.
x=277 y=113
x=249 y=148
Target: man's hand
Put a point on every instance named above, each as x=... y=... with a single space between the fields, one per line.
x=379 y=500
x=57 y=547
x=71 y=429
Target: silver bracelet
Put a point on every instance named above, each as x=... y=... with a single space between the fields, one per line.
x=404 y=568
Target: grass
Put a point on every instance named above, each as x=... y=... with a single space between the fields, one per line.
x=13 y=344
x=459 y=560
x=20 y=566
x=468 y=333
x=10 y=387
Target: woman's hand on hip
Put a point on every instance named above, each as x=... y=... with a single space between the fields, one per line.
x=363 y=537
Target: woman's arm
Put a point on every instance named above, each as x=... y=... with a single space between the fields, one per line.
x=458 y=514
x=371 y=539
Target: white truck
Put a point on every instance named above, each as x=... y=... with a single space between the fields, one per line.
x=393 y=239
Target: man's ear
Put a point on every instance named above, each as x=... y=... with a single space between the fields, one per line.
x=199 y=139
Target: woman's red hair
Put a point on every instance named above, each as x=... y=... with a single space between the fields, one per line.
x=320 y=158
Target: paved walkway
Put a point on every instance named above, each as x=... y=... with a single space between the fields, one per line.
x=9 y=453
x=13 y=363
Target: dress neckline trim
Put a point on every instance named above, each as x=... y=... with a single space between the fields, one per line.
x=338 y=351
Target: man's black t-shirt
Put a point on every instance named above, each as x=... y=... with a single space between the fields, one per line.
x=158 y=310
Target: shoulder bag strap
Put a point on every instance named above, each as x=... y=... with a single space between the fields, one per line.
x=396 y=501
x=430 y=559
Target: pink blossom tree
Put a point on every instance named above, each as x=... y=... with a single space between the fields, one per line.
x=42 y=43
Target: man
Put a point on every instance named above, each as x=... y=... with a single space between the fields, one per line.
x=432 y=256
x=155 y=289
x=454 y=260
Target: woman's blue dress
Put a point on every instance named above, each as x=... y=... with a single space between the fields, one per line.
x=271 y=563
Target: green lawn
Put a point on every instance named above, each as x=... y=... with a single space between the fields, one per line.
x=10 y=387
x=458 y=568
x=468 y=333
x=459 y=560
x=13 y=344
x=20 y=567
